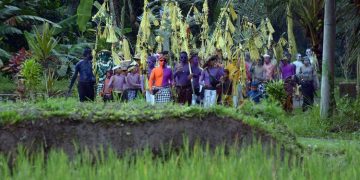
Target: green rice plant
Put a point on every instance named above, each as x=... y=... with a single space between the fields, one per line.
x=195 y=163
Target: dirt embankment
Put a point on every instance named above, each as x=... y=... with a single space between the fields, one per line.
x=120 y=136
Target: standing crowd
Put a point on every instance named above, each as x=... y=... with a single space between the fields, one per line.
x=196 y=81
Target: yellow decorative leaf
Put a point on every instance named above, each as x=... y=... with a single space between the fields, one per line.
x=269 y=26
x=258 y=42
x=229 y=39
x=231 y=26
x=254 y=52
x=156 y=22
x=233 y=14
x=112 y=36
x=126 y=49
x=115 y=57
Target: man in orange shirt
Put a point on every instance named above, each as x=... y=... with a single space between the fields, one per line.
x=160 y=82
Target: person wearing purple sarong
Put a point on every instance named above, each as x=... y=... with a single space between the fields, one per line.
x=287 y=74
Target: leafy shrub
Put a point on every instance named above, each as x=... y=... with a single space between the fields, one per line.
x=266 y=110
x=276 y=92
x=31 y=71
x=7 y=85
x=347 y=117
x=16 y=61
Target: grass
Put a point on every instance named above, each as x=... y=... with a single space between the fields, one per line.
x=329 y=155
x=334 y=146
x=8 y=86
x=309 y=124
x=196 y=163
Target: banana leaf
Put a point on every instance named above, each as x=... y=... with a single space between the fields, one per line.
x=5 y=29
x=84 y=13
x=8 y=11
x=4 y=54
x=35 y=18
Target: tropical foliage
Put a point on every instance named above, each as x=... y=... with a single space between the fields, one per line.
x=16 y=60
x=31 y=72
x=84 y=13
x=276 y=91
x=42 y=44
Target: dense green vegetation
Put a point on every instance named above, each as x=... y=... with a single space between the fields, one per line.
x=41 y=41
x=189 y=163
x=323 y=159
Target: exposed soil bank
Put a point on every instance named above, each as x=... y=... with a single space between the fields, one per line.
x=66 y=134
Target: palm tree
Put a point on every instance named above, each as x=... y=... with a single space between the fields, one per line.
x=327 y=103
x=348 y=31
x=310 y=14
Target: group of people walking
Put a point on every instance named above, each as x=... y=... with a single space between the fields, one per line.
x=194 y=81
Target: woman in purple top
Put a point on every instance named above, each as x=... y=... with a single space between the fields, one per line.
x=133 y=83
x=287 y=74
x=210 y=79
x=287 y=69
x=118 y=83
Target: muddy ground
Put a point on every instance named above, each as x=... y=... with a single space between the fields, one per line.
x=65 y=134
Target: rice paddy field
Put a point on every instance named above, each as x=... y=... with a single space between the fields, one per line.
x=253 y=142
x=196 y=163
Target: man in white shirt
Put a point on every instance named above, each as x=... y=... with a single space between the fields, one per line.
x=298 y=63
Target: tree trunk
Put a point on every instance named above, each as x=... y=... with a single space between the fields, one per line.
x=114 y=10
x=327 y=103
x=290 y=31
x=358 y=76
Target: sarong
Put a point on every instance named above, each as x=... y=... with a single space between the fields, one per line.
x=163 y=95
x=184 y=94
x=131 y=94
